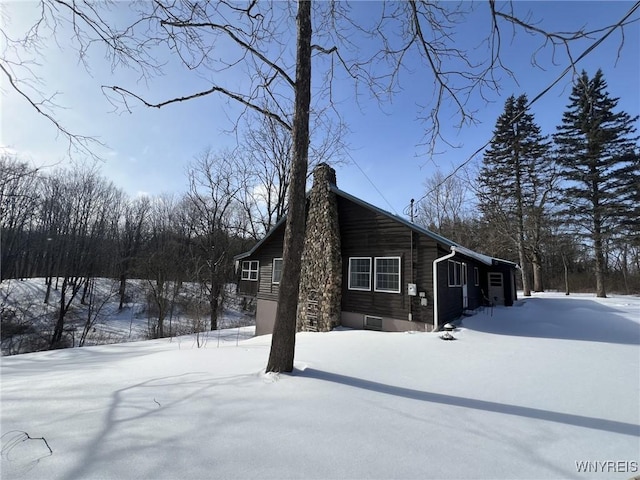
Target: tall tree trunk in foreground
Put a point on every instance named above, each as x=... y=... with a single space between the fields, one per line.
x=284 y=331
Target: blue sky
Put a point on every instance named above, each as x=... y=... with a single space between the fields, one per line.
x=148 y=150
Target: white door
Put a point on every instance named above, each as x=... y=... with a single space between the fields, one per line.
x=465 y=293
x=496 y=288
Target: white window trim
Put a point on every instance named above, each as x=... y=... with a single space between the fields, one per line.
x=273 y=271
x=375 y=274
x=476 y=276
x=368 y=289
x=248 y=271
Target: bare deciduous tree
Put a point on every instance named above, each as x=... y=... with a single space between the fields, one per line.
x=267 y=147
x=132 y=227
x=443 y=209
x=162 y=265
x=215 y=182
x=19 y=184
x=75 y=214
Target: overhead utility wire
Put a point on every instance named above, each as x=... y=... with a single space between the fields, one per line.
x=537 y=97
x=374 y=186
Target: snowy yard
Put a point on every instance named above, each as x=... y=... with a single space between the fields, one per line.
x=107 y=324
x=540 y=390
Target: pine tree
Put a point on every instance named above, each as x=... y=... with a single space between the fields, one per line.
x=596 y=153
x=515 y=182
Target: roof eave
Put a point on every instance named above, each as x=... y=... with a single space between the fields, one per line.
x=260 y=242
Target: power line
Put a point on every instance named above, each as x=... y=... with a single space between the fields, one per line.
x=570 y=67
x=374 y=186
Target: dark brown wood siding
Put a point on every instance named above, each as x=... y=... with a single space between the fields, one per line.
x=270 y=249
x=425 y=251
x=247 y=287
x=450 y=303
x=449 y=298
x=367 y=233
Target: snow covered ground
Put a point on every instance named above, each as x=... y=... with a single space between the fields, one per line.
x=108 y=324
x=539 y=390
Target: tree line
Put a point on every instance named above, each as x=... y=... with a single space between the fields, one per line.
x=565 y=207
x=72 y=225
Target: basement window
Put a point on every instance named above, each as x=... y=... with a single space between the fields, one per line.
x=276 y=275
x=372 y=323
x=387 y=274
x=360 y=273
x=250 y=270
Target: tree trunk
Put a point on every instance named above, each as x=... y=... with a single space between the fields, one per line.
x=524 y=269
x=122 y=290
x=599 y=256
x=538 y=284
x=65 y=303
x=90 y=317
x=524 y=265
x=83 y=301
x=284 y=330
x=214 y=304
x=161 y=315
x=47 y=294
x=57 y=331
x=625 y=269
x=566 y=275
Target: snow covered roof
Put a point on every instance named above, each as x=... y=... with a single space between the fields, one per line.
x=486 y=259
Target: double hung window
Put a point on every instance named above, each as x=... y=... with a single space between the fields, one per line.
x=360 y=273
x=381 y=273
x=250 y=270
x=387 y=274
x=276 y=274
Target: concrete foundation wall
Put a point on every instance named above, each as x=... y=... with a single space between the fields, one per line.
x=356 y=321
x=265 y=316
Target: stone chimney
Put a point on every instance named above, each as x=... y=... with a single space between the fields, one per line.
x=319 y=301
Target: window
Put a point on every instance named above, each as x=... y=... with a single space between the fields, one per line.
x=372 y=323
x=476 y=276
x=454 y=274
x=388 y=274
x=360 y=273
x=495 y=279
x=250 y=270
x=276 y=275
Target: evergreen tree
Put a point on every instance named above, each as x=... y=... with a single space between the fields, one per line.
x=597 y=156
x=515 y=183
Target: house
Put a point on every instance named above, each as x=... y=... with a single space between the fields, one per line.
x=363 y=267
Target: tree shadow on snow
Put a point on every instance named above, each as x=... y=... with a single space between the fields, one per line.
x=560 y=318
x=146 y=413
x=502 y=408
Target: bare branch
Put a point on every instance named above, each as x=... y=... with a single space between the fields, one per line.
x=77 y=142
x=124 y=93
